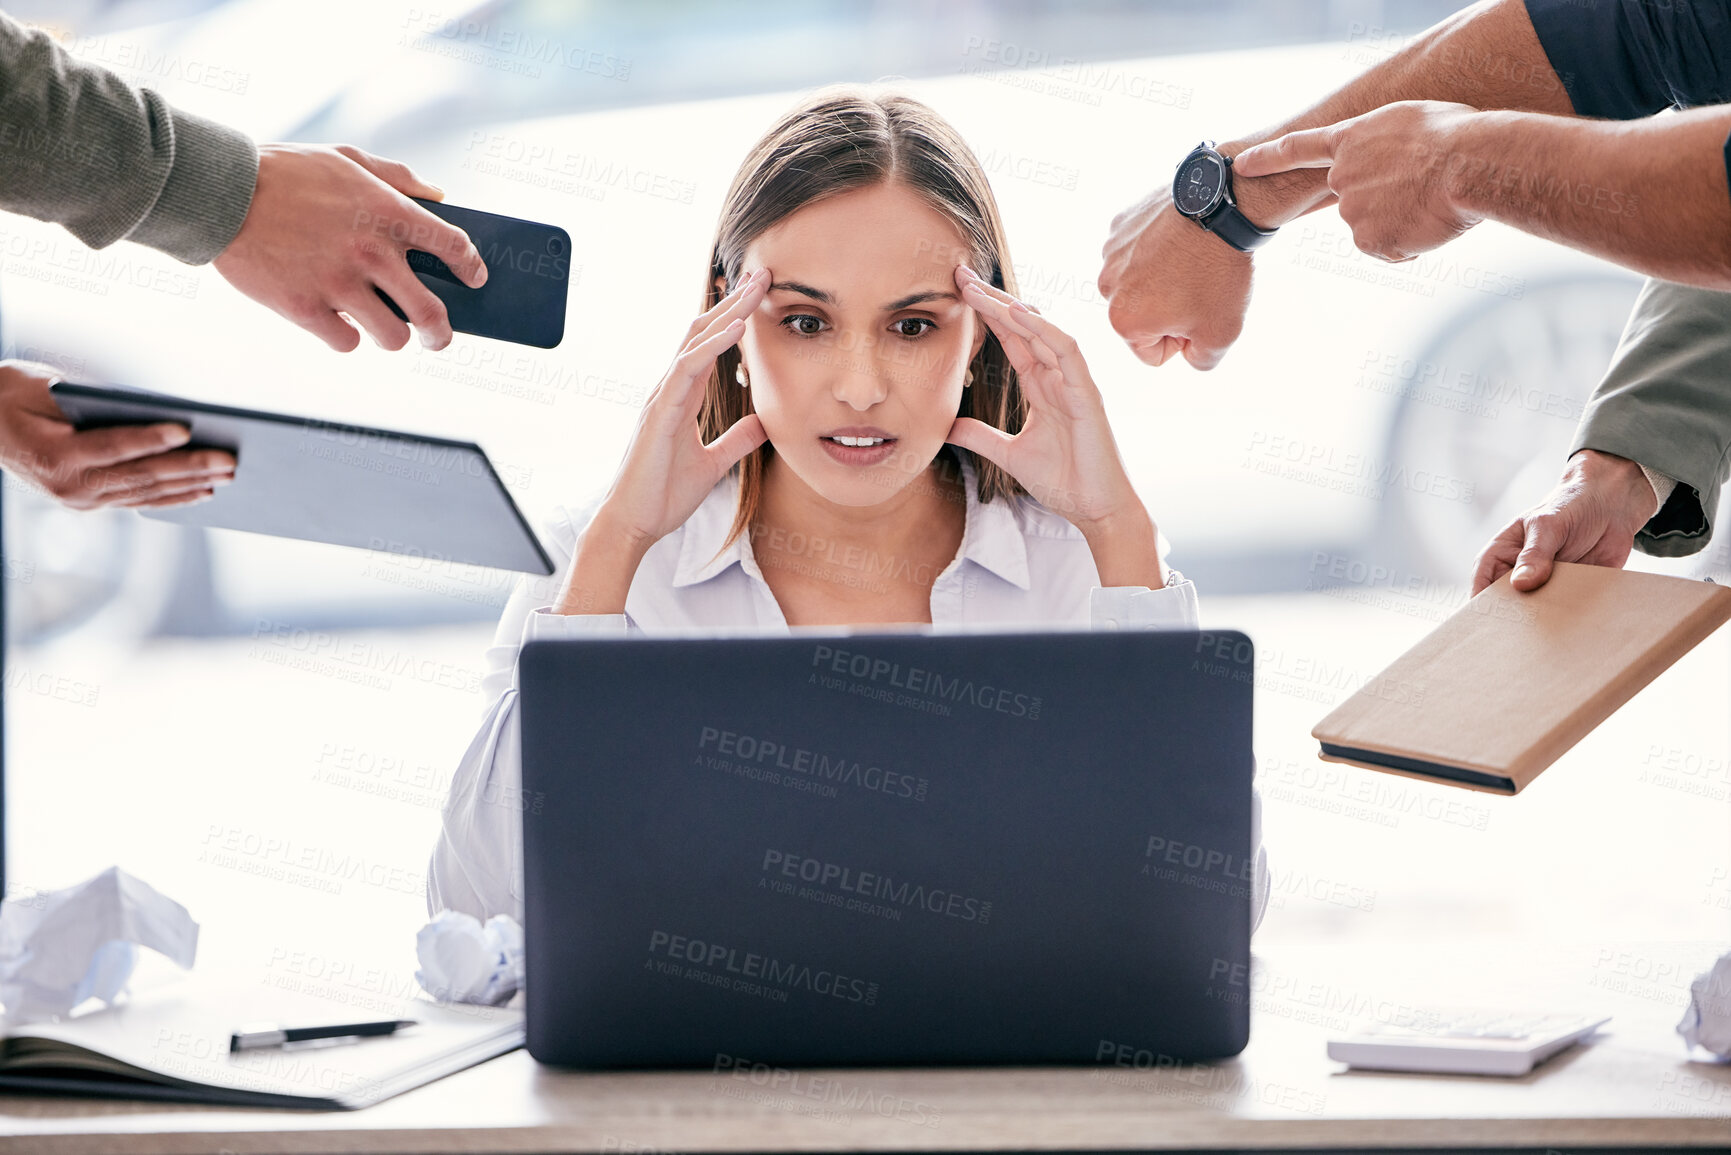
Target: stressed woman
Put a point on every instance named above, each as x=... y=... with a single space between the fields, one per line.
x=864 y=426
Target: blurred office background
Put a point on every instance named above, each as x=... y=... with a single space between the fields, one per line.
x=173 y=692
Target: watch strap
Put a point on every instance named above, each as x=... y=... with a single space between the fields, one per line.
x=1235 y=229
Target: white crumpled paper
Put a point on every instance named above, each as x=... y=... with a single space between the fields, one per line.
x=1707 y=1020
x=62 y=947
x=465 y=962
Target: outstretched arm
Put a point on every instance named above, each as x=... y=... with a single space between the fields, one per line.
x=306 y=231
x=1487 y=56
x=1174 y=288
x=1650 y=194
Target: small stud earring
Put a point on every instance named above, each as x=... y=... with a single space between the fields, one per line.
x=968 y=380
x=741 y=376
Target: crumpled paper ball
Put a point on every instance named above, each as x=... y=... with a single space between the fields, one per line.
x=62 y=947
x=463 y=961
x=1707 y=1021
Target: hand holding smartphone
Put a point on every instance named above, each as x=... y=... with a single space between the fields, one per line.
x=528 y=275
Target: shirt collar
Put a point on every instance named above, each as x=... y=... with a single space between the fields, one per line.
x=701 y=555
x=991 y=536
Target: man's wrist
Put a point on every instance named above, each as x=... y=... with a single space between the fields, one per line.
x=1470 y=175
x=1621 y=476
x=1268 y=202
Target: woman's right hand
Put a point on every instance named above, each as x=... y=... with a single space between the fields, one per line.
x=668 y=470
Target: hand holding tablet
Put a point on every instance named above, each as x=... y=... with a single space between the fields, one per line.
x=133 y=466
x=315 y=480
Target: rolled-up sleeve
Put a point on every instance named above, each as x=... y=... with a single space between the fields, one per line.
x=81 y=147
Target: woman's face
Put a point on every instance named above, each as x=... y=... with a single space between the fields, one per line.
x=857 y=355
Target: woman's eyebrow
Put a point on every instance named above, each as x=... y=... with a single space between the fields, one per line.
x=920 y=298
x=807 y=290
x=894 y=306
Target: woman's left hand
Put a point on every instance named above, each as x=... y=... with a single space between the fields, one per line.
x=1064 y=455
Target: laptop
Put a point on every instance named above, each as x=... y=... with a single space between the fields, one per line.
x=887 y=849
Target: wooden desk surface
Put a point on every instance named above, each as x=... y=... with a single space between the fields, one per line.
x=1633 y=1087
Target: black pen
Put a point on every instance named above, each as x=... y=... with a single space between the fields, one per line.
x=255 y=1035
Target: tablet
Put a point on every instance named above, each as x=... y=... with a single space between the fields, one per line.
x=299 y=477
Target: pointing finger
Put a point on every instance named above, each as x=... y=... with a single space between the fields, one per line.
x=1308 y=148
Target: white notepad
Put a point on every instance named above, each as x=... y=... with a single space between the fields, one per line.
x=172 y=1043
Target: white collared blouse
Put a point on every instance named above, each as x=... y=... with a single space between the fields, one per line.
x=1019 y=564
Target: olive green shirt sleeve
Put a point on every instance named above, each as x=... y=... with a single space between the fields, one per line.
x=83 y=148
x=1665 y=403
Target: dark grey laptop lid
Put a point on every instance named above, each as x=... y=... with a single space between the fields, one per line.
x=887 y=849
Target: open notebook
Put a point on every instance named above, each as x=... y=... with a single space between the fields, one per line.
x=1506 y=685
x=172 y=1043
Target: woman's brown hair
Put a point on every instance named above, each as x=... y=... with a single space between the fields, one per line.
x=836 y=141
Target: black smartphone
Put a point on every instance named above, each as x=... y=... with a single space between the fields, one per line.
x=528 y=274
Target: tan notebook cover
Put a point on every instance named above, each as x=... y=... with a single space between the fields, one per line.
x=1501 y=689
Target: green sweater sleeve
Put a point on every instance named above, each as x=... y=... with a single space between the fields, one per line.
x=81 y=147
x=1665 y=403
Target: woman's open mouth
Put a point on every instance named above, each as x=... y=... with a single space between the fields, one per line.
x=858 y=446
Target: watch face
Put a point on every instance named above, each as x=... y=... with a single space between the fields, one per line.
x=1198 y=185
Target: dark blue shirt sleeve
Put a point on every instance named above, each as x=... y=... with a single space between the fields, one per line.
x=1624 y=59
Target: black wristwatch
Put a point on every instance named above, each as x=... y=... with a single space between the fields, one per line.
x=1202 y=191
